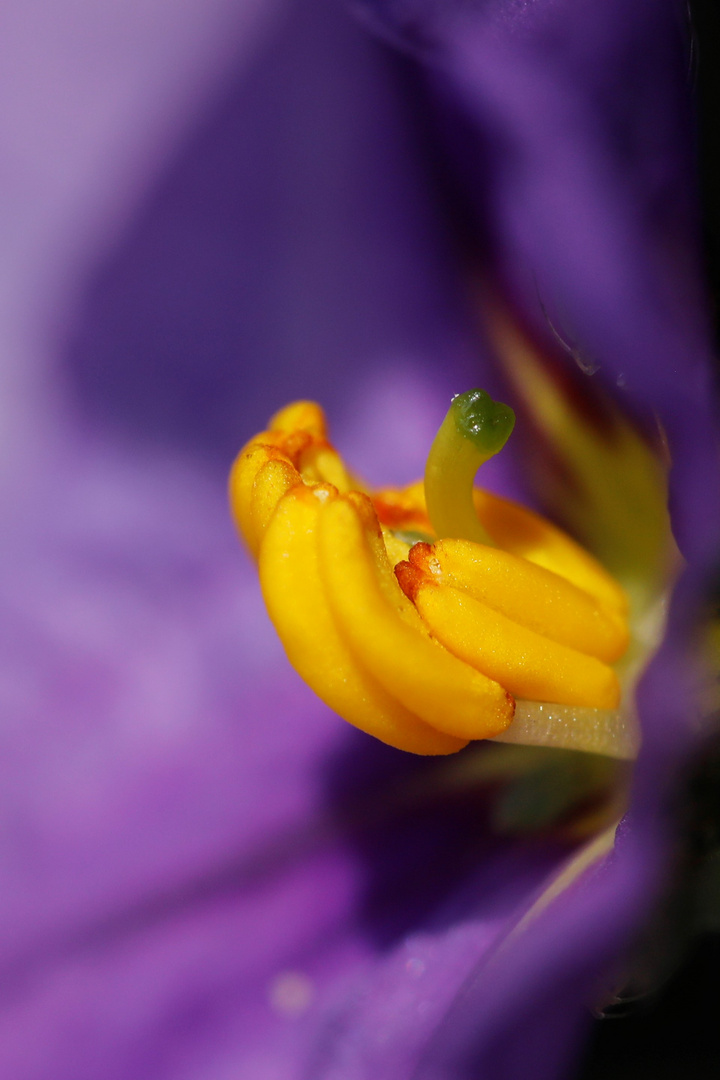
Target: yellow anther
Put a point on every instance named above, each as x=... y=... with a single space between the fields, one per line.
x=300 y=416
x=252 y=459
x=431 y=682
x=273 y=480
x=296 y=599
x=527 y=593
x=320 y=463
x=396 y=548
x=530 y=665
x=292 y=450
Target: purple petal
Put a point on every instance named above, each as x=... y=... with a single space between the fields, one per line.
x=211 y=875
x=576 y=151
x=189 y=893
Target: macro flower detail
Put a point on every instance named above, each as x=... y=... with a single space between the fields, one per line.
x=207 y=875
x=439 y=613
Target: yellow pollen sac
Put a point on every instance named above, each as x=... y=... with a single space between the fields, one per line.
x=420 y=639
x=293 y=450
x=430 y=681
x=297 y=602
x=528 y=663
x=530 y=595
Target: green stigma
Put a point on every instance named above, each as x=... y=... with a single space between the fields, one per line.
x=474 y=430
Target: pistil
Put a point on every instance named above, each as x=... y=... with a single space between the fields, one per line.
x=474 y=430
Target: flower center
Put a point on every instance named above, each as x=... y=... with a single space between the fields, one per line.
x=429 y=646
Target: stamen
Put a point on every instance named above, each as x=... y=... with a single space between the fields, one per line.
x=474 y=430
x=434 y=654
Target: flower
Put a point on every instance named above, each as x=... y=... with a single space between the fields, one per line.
x=207 y=875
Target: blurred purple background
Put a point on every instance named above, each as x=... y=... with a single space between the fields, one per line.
x=211 y=209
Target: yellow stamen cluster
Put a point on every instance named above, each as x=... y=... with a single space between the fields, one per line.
x=533 y=631
x=423 y=647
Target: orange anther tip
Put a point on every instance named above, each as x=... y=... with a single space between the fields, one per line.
x=423 y=557
x=410 y=578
